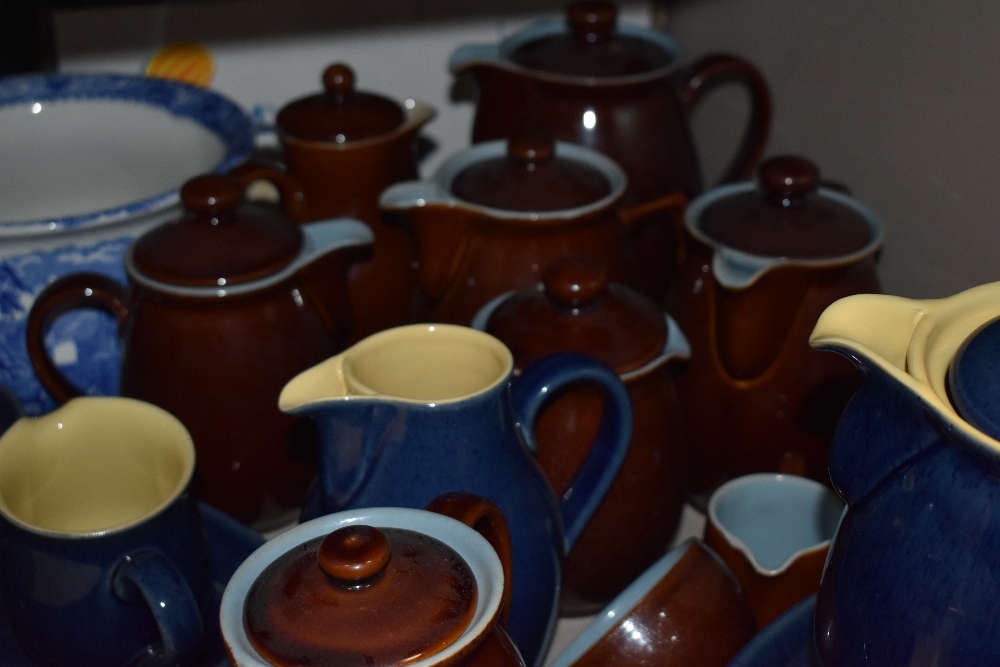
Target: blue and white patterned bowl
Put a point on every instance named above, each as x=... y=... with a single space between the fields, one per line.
x=90 y=161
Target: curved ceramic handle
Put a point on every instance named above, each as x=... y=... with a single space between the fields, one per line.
x=529 y=394
x=149 y=576
x=79 y=290
x=293 y=198
x=716 y=69
x=487 y=520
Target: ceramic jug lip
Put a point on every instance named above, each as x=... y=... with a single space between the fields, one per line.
x=415 y=114
x=549 y=28
x=470 y=545
x=95 y=411
x=675 y=347
x=804 y=488
x=746 y=267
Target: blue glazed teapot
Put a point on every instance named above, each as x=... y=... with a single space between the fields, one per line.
x=913 y=574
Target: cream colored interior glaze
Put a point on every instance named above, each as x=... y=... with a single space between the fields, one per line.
x=914 y=341
x=92 y=466
x=420 y=363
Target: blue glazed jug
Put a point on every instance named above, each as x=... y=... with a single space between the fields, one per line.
x=413 y=412
x=913 y=574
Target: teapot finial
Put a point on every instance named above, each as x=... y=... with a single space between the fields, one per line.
x=212 y=193
x=353 y=555
x=575 y=281
x=338 y=79
x=592 y=20
x=788 y=178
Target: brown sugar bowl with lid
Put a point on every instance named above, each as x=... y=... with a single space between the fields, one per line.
x=345 y=146
x=764 y=260
x=497 y=213
x=621 y=90
x=224 y=306
x=377 y=586
x=576 y=308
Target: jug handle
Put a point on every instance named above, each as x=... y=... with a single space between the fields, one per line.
x=531 y=391
x=292 y=196
x=487 y=520
x=715 y=69
x=79 y=290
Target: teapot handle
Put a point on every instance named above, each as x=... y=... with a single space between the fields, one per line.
x=529 y=394
x=293 y=198
x=712 y=70
x=487 y=520
x=79 y=290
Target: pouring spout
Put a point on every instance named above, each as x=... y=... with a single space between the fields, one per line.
x=322 y=382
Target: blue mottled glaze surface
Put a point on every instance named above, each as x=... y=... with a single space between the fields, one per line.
x=913 y=571
x=785 y=642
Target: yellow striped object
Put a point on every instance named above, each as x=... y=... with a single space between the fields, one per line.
x=189 y=63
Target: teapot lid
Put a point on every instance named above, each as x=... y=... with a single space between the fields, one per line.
x=592 y=46
x=974 y=379
x=361 y=596
x=220 y=239
x=340 y=113
x=576 y=308
x=530 y=177
x=786 y=215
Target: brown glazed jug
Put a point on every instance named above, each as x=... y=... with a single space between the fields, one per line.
x=346 y=146
x=224 y=306
x=497 y=213
x=620 y=90
x=576 y=308
x=764 y=260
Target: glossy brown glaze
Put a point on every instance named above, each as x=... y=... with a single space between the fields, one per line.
x=625 y=97
x=419 y=601
x=578 y=310
x=694 y=615
x=345 y=178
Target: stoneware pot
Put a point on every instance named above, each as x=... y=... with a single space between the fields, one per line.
x=385 y=586
x=416 y=411
x=224 y=306
x=620 y=90
x=105 y=560
x=496 y=214
x=911 y=572
x=773 y=531
x=92 y=161
x=686 y=609
x=576 y=308
x=345 y=147
x=763 y=261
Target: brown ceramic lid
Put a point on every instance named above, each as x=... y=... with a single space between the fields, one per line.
x=340 y=114
x=785 y=216
x=579 y=310
x=531 y=177
x=220 y=239
x=592 y=47
x=361 y=596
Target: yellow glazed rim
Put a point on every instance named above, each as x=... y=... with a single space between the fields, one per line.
x=94 y=466
x=425 y=364
x=914 y=341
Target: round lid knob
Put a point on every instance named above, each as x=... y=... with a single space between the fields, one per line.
x=531 y=177
x=974 y=379
x=340 y=113
x=592 y=47
x=577 y=309
x=221 y=240
x=361 y=596
x=785 y=216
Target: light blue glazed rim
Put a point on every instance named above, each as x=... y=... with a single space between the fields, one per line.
x=216 y=113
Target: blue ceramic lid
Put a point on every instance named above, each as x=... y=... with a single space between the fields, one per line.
x=974 y=379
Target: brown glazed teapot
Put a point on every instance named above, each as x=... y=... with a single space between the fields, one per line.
x=576 y=308
x=224 y=306
x=620 y=90
x=345 y=147
x=763 y=261
x=497 y=213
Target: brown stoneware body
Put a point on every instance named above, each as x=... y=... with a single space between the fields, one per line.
x=382 y=586
x=346 y=147
x=474 y=244
x=576 y=308
x=761 y=266
x=619 y=90
x=215 y=351
x=686 y=609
